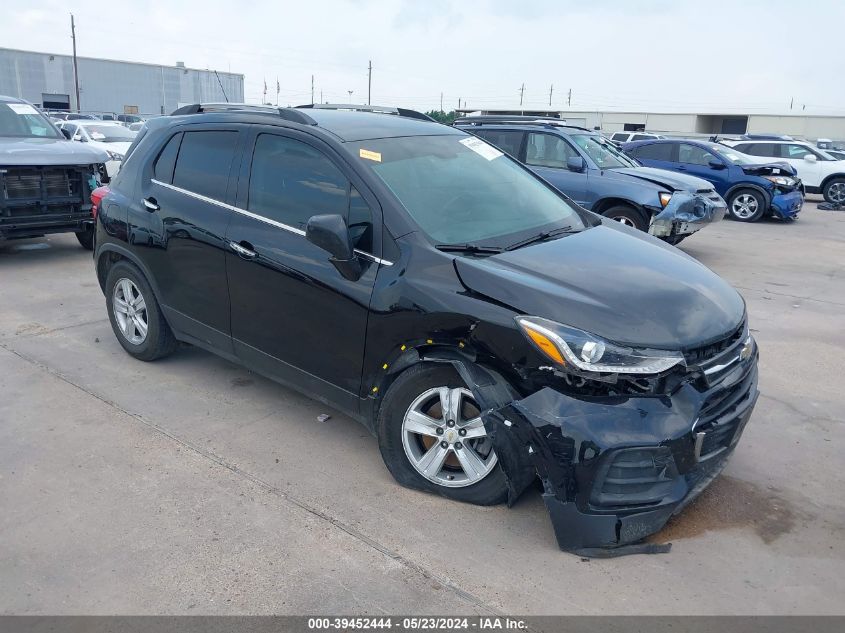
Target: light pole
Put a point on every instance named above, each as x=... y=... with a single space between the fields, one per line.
x=350 y=95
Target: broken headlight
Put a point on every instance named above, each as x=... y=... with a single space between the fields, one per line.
x=783 y=181
x=577 y=349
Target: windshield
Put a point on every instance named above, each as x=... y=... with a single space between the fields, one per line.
x=23 y=120
x=460 y=190
x=603 y=153
x=109 y=133
x=732 y=156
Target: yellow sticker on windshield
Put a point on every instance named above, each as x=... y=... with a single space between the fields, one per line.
x=365 y=153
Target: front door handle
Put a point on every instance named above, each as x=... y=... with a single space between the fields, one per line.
x=243 y=249
x=151 y=204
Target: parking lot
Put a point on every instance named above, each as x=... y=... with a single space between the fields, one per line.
x=190 y=485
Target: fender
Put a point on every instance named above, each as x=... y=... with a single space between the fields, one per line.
x=827 y=179
x=111 y=247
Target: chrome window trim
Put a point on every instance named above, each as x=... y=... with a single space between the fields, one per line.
x=260 y=218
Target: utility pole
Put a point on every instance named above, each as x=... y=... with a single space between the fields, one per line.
x=350 y=95
x=369 y=81
x=791 y=101
x=551 y=90
x=521 y=92
x=441 y=102
x=321 y=96
x=569 y=98
x=459 y=103
x=312 y=89
x=75 y=68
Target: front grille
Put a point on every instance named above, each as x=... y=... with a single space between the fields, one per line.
x=636 y=476
x=698 y=355
x=40 y=191
x=719 y=419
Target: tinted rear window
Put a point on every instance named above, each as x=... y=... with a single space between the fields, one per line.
x=204 y=162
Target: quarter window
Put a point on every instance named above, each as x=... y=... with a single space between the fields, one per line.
x=166 y=160
x=204 y=161
x=545 y=150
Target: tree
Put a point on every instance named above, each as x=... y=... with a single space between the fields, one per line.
x=446 y=118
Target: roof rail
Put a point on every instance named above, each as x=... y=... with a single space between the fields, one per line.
x=550 y=122
x=288 y=114
x=403 y=112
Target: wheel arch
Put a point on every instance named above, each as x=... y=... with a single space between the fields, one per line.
x=110 y=254
x=827 y=180
x=749 y=185
x=603 y=204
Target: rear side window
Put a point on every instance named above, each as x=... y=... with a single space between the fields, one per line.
x=204 y=161
x=291 y=181
x=769 y=150
x=653 y=151
x=166 y=161
x=619 y=136
x=509 y=141
x=546 y=150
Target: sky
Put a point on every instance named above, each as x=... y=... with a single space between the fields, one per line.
x=631 y=55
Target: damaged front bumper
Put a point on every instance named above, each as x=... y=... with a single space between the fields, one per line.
x=787 y=205
x=687 y=213
x=614 y=469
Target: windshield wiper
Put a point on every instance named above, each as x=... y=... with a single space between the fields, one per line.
x=540 y=237
x=468 y=248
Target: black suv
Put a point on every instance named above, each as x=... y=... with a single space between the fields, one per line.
x=484 y=328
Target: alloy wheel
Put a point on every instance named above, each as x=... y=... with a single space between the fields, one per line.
x=445 y=440
x=836 y=192
x=130 y=311
x=626 y=221
x=744 y=206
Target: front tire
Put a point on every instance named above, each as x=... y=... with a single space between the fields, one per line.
x=431 y=437
x=135 y=316
x=746 y=205
x=628 y=216
x=86 y=238
x=834 y=191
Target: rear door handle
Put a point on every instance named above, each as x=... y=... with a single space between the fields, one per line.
x=151 y=204
x=243 y=249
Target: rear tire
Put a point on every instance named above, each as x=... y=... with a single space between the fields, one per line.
x=135 y=316
x=834 y=191
x=419 y=395
x=628 y=216
x=746 y=205
x=86 y=239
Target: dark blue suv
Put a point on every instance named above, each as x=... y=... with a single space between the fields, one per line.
x=752 y=189
x=593 y=172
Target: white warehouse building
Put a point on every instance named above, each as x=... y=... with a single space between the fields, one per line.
x=106 y=85
x=809 y=126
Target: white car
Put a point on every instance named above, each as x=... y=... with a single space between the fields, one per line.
x=111 y=137
x=625 y=137
x=819 y=171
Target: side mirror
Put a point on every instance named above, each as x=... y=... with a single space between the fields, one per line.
x=330 y=233
x=810 y=158
x=575 y=163
x=716 y=164
x=66 y=134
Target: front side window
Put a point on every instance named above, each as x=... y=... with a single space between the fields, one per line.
x=459 y=190
x=290 y=181
x=800 y=151
x=204 y=160
x=694 y=155
x=547 y=150
x=23 y=120
x=509 y=141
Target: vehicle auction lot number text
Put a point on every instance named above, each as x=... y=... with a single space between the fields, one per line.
x=417 y=624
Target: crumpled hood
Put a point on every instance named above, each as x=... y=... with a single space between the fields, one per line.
x=770 y=169
x=623 y=285
x=670 y=180
x=47 y=151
